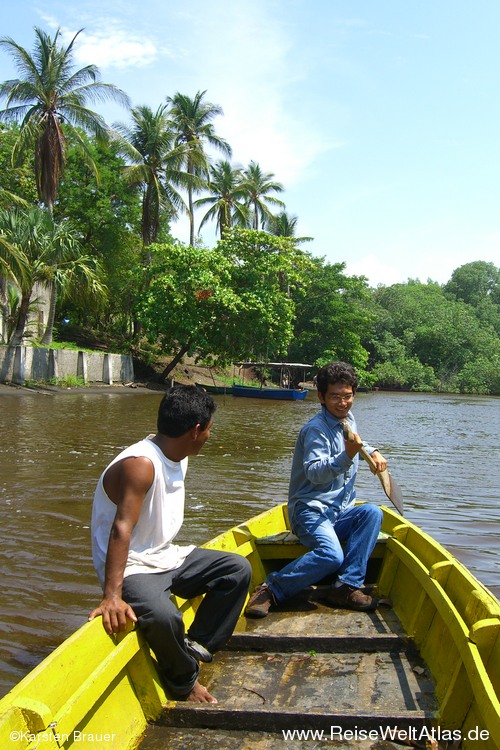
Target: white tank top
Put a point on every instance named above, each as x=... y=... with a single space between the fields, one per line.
x=162 y=513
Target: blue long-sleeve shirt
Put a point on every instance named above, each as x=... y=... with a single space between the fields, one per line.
x=323 y=474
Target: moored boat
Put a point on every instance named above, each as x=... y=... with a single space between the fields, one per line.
x=427 y=667
x=281 y=394
x=216 y=389
x=288 y=388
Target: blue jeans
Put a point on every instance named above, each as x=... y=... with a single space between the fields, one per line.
x=321 y=532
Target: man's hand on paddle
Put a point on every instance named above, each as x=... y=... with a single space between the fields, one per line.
x=352 y=443
x=114 y=612
x=380 y=462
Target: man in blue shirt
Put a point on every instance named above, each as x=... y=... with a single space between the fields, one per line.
x=321 y=504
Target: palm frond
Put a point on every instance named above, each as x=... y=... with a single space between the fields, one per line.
x=51 y=91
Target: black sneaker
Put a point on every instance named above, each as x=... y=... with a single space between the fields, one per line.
x=199 y=652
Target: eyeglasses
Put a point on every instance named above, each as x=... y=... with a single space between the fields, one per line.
x=337 y=398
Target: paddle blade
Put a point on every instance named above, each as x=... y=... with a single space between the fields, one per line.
x=391 y=489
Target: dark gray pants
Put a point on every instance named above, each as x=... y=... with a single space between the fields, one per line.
x=223 y=577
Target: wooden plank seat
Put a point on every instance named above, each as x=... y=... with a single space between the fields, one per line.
x=286 y=545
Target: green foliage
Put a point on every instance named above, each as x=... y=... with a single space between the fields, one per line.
x=70 y=345
x=49 y=93
x=226 y=199
x=107 y=214
x=49 y=253
x=474 y=282
x=480 y=376
x=191 y=121
x=257 y=185
x=267 y=272
x=231 y=302
x=396 y=369
x=154 y=164
x=68 y=381
x=407 y=373
x=332 y=316
x=478 y=285
x=285 y=225
x=14 y=181
x=427 y=338
x=187 y=296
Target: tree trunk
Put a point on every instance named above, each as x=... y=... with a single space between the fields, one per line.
x=49 y=328
x=191 y=216
x=168 y=369
x=256 y=217
x=190 y=206
x=22 y=316
x=4 y=311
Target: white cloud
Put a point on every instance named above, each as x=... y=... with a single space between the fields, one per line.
x=262 y=130
x=376 y=270
x=250 y=65
x=117 y=49
x=106 y=41
x=113 y=48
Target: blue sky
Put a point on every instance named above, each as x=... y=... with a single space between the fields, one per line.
x=380 y=117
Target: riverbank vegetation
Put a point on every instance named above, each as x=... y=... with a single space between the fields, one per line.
x=85 y=218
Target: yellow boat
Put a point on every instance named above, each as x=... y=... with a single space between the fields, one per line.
x=428 y=668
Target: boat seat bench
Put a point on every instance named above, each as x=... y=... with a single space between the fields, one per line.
x=286 y=545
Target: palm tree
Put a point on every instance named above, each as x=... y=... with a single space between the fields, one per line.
x=155 y=163
x=50 y=100
x=257 y=184
x=48 y=253
x=12 y=301
x=9 y=258
x=9 y=199
x=226 y=199
x=285 y=225
x=191 y=119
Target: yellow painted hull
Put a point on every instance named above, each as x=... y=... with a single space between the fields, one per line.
x=101 y=691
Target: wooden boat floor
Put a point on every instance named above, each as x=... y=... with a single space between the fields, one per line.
x=170 y=738
x=307 y=667
x=307 y=618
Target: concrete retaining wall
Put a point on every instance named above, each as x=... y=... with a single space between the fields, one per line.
x=21 y=363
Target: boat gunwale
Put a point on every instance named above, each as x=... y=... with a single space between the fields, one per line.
x=243 y=538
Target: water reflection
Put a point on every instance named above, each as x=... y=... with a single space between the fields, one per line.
x=443 y=450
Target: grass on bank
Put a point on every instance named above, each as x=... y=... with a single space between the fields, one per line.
x=69 y=345
x=69 y=381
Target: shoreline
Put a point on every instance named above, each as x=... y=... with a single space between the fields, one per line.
x=13 y=389
x=151 y=386
x=186 y=373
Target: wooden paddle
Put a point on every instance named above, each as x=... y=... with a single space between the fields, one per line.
x=388 y=483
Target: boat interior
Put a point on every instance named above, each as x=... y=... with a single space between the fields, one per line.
x=430 y=663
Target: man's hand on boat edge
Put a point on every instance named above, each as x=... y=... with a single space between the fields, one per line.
x=114 y=612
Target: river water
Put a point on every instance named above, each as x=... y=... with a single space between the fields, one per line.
x=442 y=449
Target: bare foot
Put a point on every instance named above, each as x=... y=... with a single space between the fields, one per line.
x=200 y=694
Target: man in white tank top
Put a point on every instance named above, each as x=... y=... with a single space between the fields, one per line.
x=138 y=510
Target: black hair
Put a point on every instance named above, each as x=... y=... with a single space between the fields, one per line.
x=336 y=372
x=182 y=408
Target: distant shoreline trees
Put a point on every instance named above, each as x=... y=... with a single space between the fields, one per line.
x=121 y=277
